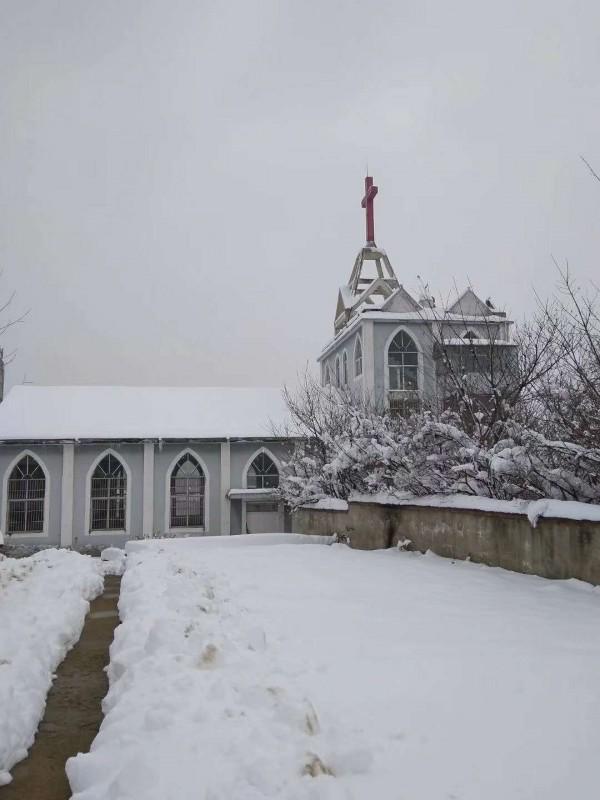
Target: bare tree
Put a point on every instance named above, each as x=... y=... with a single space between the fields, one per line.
x=568 y=396
x=487 y=378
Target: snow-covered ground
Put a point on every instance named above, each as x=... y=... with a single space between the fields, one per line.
x=320 y=672
x=43 y=603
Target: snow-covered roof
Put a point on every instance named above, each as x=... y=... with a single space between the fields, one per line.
x=131 y=412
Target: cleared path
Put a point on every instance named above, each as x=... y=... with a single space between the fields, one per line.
x=73 y=710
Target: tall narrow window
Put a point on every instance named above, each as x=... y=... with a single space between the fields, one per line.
x=345 y=368
x=26 y=493
x=403 y=363
x=108 y=495
x=358 y=358
x=188 y=485
x=262 y=473
x=337 y=371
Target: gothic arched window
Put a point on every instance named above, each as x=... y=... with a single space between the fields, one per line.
x=26 y=493
x=345 y=367
x=187 y=493
x=403 y=363
x=263 y=473
x=358 y=357
x=337 y=371
x=108 y=495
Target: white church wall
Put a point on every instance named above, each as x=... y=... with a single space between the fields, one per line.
x=345 y=345
x=132 y=456
x=50 y=457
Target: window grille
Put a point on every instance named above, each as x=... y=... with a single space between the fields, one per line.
x=187 y=493
x=358 y=357
x=403 y=364
x=108 y=495
x=263 y=473
x=26 y=495
x=404 y=403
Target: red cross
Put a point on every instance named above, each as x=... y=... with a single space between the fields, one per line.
x=367 y=203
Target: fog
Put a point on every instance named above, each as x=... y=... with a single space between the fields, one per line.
x=181 y=181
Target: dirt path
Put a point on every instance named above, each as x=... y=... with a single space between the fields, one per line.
x=73 y=710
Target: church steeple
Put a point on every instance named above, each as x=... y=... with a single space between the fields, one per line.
x=373 y=279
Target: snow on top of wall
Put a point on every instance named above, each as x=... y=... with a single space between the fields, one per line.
x=535 y=509
x=131 y=412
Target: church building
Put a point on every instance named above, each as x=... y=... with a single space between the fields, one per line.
x=96 y=465
x=395 y=350
x=91 y=466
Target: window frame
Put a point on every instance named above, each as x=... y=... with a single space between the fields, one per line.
x=88 y=496
x=46 y=504
x=265 y=454
x=358 y=358
x=178 y=530
x=403 y=392
x=189 y=495
x=128 y=496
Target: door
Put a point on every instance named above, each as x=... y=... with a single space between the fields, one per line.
x=263 y=518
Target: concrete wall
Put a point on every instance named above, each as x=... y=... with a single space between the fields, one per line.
x=556 y=548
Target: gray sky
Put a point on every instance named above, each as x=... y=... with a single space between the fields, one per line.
x=181 y=181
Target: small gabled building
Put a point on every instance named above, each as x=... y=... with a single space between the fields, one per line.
x=396 y=350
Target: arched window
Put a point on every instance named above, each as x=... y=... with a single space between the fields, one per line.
x=187 y=493
x=358 y=357
x=403 y=363
x=108 y=495
x=263 y=473
x=26 y=493
x=327 y=375
x=345 y=367
x=469 y=336
x=337 y=371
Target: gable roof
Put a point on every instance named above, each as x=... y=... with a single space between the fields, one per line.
x=400 y=301
x=132 y=412
x=470 y=305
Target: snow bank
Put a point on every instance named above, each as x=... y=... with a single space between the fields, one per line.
x=195 y=542
x=112 y=561
x=324 y=673
x=555 y=509
x=43 y=603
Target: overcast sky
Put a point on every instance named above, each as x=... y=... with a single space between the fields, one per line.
x=180 y=181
